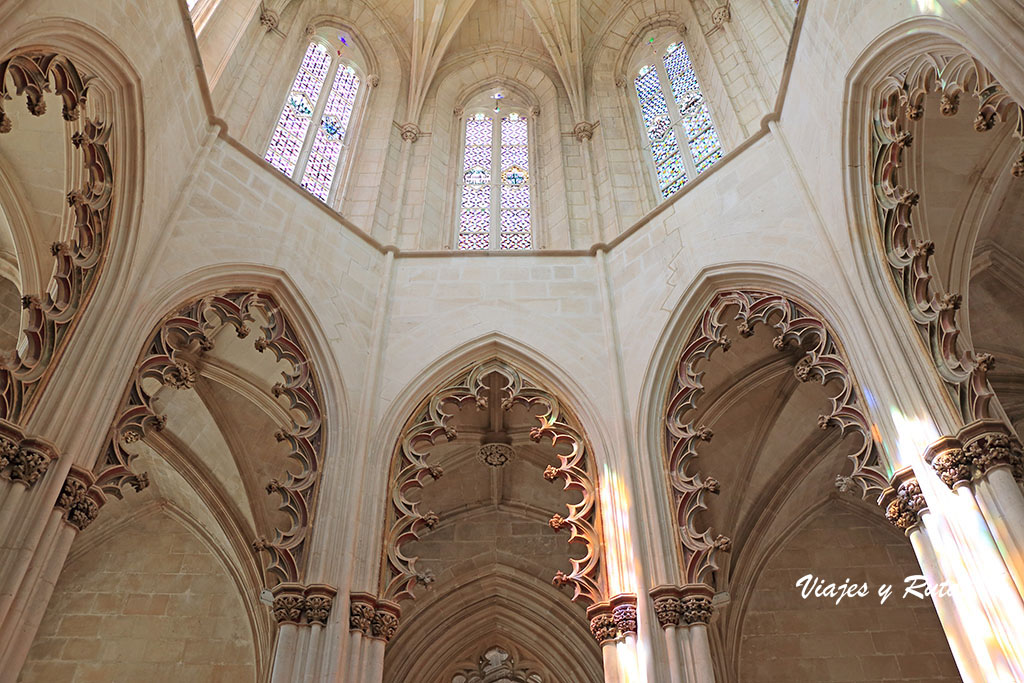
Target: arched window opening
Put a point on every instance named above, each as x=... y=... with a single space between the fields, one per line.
x=673 y=109
x=324 y=90
x=495 y=189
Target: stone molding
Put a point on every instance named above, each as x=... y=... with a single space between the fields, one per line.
x=686 y=605
x=977 y=449
x=613 y=619
x=903 y=500
x=303 y=605
x=23 y=459
x=53 y=314
x=373 y=618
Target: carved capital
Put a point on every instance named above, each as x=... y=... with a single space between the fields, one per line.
x=904 y=500
x=602 y=626
x=697 y=610
x=79 y=499
x=624 y=613
x=360 y=612
x=668 y=609
x=288 y=603
x=303 y=605
x=978 y=448
x=23 y=459
x=385 y=621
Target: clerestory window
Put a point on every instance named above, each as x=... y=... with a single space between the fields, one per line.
x=681 y=136
x=309 y=141
x=495 y=184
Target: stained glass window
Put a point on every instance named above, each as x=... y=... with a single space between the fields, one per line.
x=295 y=141
x=515 y=184
x=495 y=206
x=475 y=219
x=673 y=108
x=323 y=156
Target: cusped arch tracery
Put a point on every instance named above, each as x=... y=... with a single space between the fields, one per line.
x=85 y=229
x=410 y=469
x=174 y=357
x=821 y=360
x=898 y=106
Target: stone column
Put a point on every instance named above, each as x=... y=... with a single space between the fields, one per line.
x=976 y=599
x=410 y=134
x=684 y=613
x=986 y=463
x=301 y=613
x=614 y=626
x=372 y=623
x=584 y=132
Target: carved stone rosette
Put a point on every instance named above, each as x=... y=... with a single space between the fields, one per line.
x=173 y=355
x=822 y=361
x=372 y=617
x=899 y=106
x=79 y=260
x=903 y=500
x=675 y=605
x=977 y=448
x=23 y=459
x=410 y=468
x=302 y=605
x=584 y=130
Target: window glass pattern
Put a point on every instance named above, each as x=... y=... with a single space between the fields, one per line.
x=660 y=134
x=286 y=143
x=475 y=216
x=701 y=136
x=330 y=135
x=515 y=183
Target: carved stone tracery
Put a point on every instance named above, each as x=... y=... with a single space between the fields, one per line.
x=900 y=105
x=821 y=361
x=170 y=357
x=78 y=261
x=433 y=421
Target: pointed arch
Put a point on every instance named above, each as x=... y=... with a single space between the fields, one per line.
x=102 y=103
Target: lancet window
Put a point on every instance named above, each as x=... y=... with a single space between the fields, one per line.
x=495 y=185
x=309 y=143
x=682 y=139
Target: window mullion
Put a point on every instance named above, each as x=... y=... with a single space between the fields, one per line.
x=676 y=117
x=315 y=119
x=495 y=180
